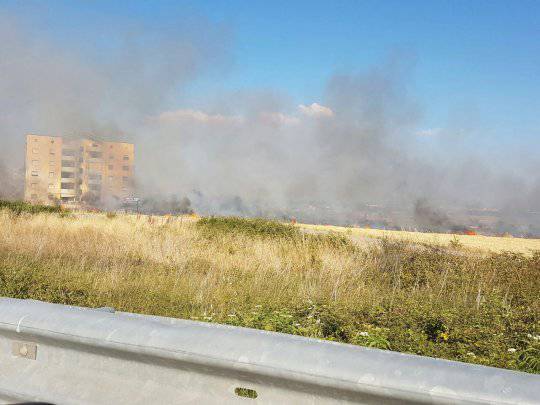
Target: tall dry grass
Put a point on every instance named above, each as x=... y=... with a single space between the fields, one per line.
x=480 y=243
x=424 y=299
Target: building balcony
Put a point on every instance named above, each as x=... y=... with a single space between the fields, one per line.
x=68 y=193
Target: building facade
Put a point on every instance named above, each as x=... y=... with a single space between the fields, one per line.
x=78 y=171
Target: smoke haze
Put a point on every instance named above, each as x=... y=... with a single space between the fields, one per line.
x=252 y=152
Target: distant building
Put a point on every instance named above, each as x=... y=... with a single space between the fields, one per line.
x=77 y=171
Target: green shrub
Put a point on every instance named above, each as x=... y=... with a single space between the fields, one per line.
x=18 y=207
x=247 y=226
x=331 y=240
x=529 y=360
x=435 y=329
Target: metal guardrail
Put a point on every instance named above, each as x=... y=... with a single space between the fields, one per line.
x=62 y=354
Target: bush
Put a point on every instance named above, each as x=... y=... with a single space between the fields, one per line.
x=247 y=226
x=18 y=207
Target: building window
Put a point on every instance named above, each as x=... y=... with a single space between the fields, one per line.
x=35 y=163
x=51 y=186
x=34 y=173
x=111 y=167
x=68 y=186
x=125 y=168
x=52 y=140
x=95 y=154
x=68 y=163
x=68 y=152
x=51 y=174
x=35 y=150
x=68 y=175
x=95 y=145
x=35 y=139
x=95 y=187
x=111 y=157
x=52 y=163
x=111 y=178
x=126 y=157
x=33 y=185
x=51 y=152
x=94 y=176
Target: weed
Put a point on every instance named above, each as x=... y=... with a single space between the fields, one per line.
x=455 y=243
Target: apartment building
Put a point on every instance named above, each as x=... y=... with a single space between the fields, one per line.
x=78 y=171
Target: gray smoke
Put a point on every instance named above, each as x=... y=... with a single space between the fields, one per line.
x=252 y=152
x=99 y=92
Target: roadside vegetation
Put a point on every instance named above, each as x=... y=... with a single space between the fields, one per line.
x=433 y=300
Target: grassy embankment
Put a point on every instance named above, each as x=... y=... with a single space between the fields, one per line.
x=445 y=302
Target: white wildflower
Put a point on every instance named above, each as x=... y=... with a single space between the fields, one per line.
x=364 y=334
x=231 y=315
x=471 y=354
x=511 y=350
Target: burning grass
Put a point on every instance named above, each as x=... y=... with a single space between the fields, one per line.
x=392 y=294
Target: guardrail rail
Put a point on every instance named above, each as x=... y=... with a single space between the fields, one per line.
x=63 y=354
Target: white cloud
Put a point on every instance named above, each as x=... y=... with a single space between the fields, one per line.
x=315 y=110
x=265 y=117
x=277 y=118
x=198 y=116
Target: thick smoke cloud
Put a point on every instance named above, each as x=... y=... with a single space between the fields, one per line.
x=105 y=91
x=249 y=152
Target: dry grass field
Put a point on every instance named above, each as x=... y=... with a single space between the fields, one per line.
x=391 y=293
x=475 y=242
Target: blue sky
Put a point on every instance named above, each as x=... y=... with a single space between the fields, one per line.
x=475 y=63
